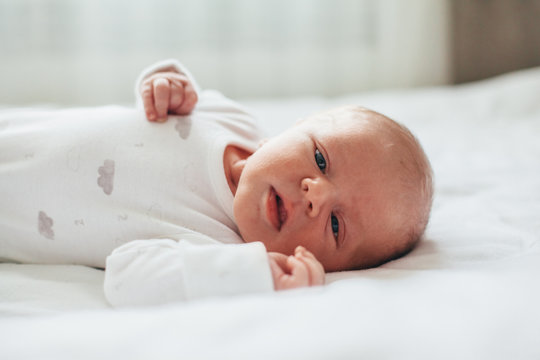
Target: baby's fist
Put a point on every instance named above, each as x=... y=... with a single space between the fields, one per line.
x=165 y=93
x=300 y=270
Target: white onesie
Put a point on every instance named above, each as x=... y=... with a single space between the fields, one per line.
x=76 y=184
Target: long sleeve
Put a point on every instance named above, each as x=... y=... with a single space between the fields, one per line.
x=151 y=272
x=231 y=114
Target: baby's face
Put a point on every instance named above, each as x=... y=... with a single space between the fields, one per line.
x=323 y=185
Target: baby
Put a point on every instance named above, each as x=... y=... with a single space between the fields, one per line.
x=344 y=189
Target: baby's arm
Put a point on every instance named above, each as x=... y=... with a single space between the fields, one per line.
x=166 y=88
x=151 y=272
x=300 y=270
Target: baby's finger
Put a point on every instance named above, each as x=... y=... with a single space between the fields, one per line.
x=161 y=98
x=299 y=272
x=308 y=254
x=190 y=100
x=177 y=96
x=315 y=269
x=147 y=97
x=304 y=252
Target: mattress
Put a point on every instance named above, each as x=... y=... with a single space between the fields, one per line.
x=470 y=290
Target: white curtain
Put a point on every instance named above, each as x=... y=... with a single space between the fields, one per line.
x=80 y=52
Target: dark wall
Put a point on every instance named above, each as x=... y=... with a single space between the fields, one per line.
x=491 y=37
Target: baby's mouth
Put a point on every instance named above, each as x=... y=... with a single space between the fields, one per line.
x=282 y=212
x=275 y=211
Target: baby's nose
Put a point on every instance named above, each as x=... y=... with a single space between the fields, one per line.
x=315 y=195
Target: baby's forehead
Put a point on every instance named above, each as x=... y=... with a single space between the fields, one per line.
x=346 y=121
x=350 y=135
x=357 y=133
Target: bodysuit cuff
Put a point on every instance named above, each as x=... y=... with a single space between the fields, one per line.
x=237 y=269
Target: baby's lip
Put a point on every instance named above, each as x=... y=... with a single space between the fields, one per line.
x=282 y=210
x=275 y=209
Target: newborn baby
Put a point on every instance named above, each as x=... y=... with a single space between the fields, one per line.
x=200 y=206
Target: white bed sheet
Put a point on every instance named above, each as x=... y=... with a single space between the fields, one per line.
x=471 y=290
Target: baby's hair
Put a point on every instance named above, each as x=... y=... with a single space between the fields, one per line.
x=416 y=177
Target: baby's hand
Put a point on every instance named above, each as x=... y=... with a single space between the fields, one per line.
x=302 y=269
x=165 y=93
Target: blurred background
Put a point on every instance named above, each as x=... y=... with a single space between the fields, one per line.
x=89 y=52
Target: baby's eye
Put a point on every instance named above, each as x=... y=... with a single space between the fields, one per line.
x=320 y=160
x=335 y=226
